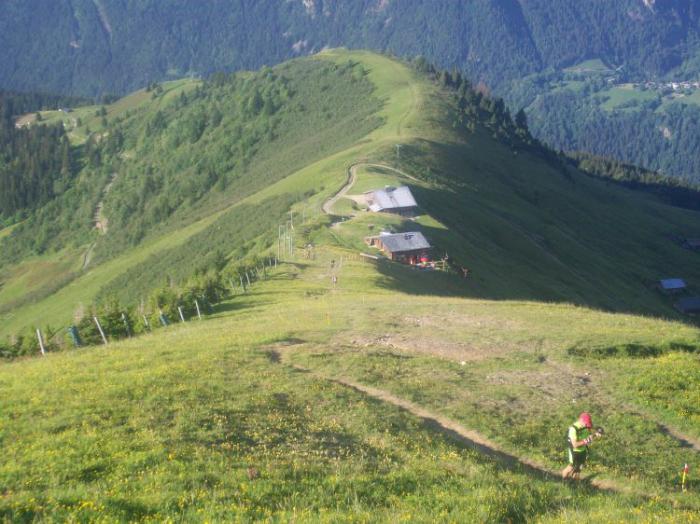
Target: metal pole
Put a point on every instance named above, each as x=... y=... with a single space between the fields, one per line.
x=99 y=328
x=199 y=313
x=182 y=317
x=279 y=240
x=41 y=342
x=146 y=323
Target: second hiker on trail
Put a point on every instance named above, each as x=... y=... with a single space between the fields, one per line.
x=579 y=437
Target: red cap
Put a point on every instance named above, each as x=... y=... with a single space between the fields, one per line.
x=585 y=419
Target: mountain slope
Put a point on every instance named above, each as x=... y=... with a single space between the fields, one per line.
x=523 y=51
x=526 y=225
x=247 y=414
x=91 y=47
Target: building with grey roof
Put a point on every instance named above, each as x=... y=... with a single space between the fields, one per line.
x=408 y=248
x=672 y=285
x=397 y=200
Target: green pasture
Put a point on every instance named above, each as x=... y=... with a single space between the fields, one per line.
x=91 y=122
x=153 y=429
x=594 y=65
x=624 y=94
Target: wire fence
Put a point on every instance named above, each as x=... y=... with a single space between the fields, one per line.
x=110 y=322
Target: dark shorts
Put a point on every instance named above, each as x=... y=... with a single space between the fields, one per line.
x=577 y=460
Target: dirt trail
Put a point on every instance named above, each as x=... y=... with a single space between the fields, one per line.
x=87 y=257
x=452 y=429
x=101 y=222
x=352 y=178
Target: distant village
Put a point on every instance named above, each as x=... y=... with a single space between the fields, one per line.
x=668 y=86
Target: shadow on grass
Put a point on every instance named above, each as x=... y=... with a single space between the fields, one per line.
x=534 y=231
x=132 y=510
x=246 y=303
x=532 y=269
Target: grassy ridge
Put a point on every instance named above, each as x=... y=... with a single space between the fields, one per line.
x=167 y=425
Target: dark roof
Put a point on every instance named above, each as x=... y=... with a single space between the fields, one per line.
x=689 y=305
x=670 y=284
x=399 y=242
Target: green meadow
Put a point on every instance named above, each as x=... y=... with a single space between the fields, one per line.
x=166 y=426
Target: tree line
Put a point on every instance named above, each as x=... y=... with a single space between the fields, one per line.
x=166 y=305
x=37 y=163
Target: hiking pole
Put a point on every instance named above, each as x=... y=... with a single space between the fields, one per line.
x=684 y=478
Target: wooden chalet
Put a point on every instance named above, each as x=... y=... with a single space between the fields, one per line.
x=407 y=248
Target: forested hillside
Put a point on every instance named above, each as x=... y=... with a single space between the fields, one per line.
x=516 y=49
x=93 y=46
x=37 y=163
x=194 y=147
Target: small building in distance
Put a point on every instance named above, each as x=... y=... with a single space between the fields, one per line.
x=397 y=200
x=692 y=243
x=688 y=306
x=407 y=248
x=672 y=285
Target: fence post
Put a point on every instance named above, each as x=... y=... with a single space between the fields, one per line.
x=99 y=328
x=41 y=342
x=126 y=325
x=247 y=277
x=163 y=319
x=75 y=336
x=146 y=322
x=199 y=313
x=179 y=310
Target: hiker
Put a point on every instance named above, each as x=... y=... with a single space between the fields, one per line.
x=579 y=437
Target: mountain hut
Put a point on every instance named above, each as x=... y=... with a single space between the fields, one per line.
x=396 y=200
x=407 y=248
